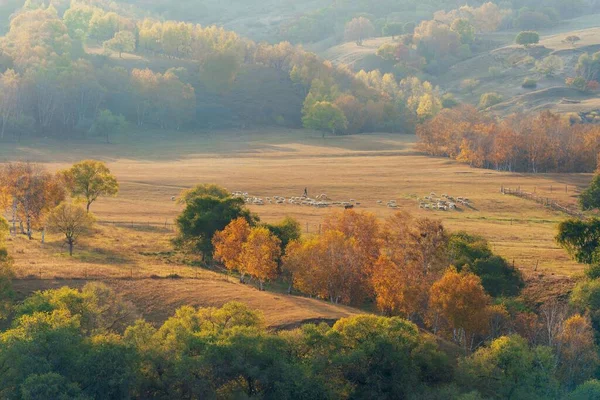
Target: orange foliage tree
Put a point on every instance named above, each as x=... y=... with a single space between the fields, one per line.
x=228 y=245
x=363 y=227
x=34 y=191
x=543 y=142
x=260 y=255
x=459 y=305
x=328 y=266
x=412 y=257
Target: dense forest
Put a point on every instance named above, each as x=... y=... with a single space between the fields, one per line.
x=82 y=68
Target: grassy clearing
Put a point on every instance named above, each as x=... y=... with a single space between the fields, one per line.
x=367 y=168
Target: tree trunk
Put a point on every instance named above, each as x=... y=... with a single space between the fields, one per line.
x=89 y=203
x=71 y=248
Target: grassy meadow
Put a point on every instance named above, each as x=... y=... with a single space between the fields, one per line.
x=131 y=248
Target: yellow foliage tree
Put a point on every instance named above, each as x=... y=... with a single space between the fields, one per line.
x=228 y=245
x=459 y=303
x=577 y=351
x=259 y=255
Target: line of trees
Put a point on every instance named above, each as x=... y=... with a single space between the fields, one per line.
x=545 y=142
x=38 y=200
x=88 y=344
x=356 y=259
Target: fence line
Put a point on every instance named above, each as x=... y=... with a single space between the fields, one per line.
x=545 y=201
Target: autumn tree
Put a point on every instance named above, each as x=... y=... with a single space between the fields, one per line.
x=34 y=192
x=412 y=258
x=203 y=216
x=359 y=29
x=228 y=245
x=71 y=221
x=577 y=351
x=327 y=266
x=6 y=273
x=260 y=254
x=361 y=226
x=459 y=302
x=89 y=180
x=122 y=42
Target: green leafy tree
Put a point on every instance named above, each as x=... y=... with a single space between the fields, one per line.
x=326 y=117
x=589 y=390
x=50 y=386
x=590 y=198
x=465 y=29
x=71 y=221
x=580 y=238
x=474 y=254
x=107 y=123
x=203 y=189
x=527 y=38
x=287 y=230
x=89 y=180
x=550 y=65
x=510 y=369
x=392 y=29
x=205 y=215
x=219 y=70
x=122 y=42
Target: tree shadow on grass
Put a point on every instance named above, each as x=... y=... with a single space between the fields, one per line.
x=90 y=254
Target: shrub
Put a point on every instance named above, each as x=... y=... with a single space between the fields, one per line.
x=529 y=83
x=495 y=72
x=593 y=271
x=576 y=83
x=489 y=99
x=527 y=38
x=449 y=101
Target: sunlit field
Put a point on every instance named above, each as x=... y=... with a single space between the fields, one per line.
x=365 y=168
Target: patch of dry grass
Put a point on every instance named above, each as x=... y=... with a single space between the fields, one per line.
x=367 y=168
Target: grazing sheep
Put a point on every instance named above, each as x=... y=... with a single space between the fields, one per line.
x=348 y=207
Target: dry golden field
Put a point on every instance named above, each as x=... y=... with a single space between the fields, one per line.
x=152 y=168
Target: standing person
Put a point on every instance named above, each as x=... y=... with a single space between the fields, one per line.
x=305 y=192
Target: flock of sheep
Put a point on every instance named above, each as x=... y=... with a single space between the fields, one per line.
x=320 y=201
x=443 y=203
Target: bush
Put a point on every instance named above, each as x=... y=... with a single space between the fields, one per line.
x=449 y=101
x=527 y=38
x=593 y=271
x=495 y=72
x=529 y=83
x=490 y=99
x=578 y=83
